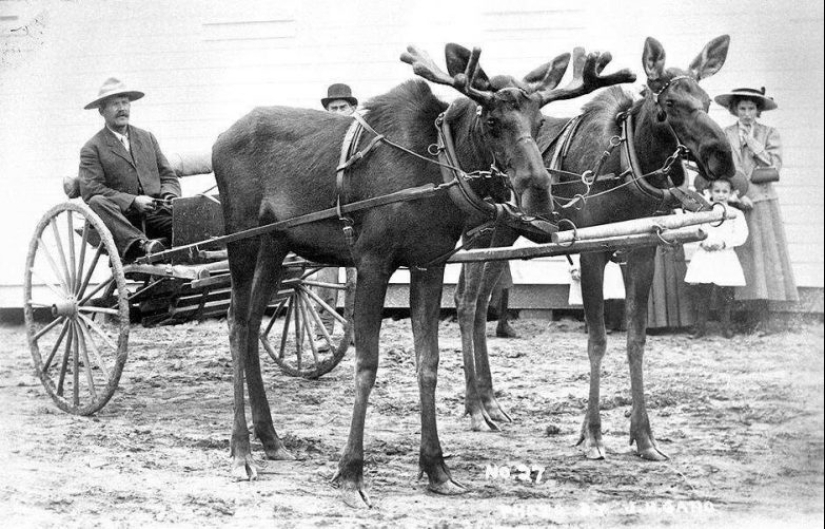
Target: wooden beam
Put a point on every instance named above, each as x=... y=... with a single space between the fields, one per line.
x=644 y=225
x=677 y=236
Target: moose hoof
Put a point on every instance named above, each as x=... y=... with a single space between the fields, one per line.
x=447 y=488
x=279 y=453
x=244 y=468
x=481 y=422
x=592 y=446
x=496 y=412
x=595 y=453
x=653 y=454
x=355 y=498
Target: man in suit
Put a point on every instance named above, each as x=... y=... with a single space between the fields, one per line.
x=125 y=178
x=339 y=100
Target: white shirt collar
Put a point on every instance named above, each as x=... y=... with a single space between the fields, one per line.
x=122 y=138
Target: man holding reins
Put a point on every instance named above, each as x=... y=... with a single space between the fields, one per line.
x=125 y=178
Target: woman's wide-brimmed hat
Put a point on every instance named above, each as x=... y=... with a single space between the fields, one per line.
x=113 y=87
x=739 y=182
x=339 y=91
x=757 y=96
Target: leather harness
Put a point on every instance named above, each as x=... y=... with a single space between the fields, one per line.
x=631 y=175
x=457 y=185
x=483 y=212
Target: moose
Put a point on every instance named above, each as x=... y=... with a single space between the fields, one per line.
x=278 y=163
x=628 y=182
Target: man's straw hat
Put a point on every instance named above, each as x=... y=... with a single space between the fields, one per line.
x=113 y=87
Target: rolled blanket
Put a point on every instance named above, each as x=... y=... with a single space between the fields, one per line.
x=71 y=186
x=191 y=163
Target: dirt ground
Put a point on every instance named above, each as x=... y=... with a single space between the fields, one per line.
x=742 y=421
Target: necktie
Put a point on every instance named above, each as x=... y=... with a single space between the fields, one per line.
x=125 y=141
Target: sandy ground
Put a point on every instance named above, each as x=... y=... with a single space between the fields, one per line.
x=742 y=421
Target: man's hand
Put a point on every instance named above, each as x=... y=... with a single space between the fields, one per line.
x=144 y=204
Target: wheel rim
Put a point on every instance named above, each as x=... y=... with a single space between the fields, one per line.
x=80 y=350
x=289 y=335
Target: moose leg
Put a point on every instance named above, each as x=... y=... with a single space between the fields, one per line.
x=425 y=306
x=241 y=257
x=592 y=280
x=267 y=274
x=640 y=266
x=369 y=305
x=492 y=273
x=470 y=319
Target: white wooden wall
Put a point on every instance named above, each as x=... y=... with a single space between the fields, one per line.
x=203 y=64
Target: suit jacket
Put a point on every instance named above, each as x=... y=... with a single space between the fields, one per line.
x=746 y=161
x=108 y=169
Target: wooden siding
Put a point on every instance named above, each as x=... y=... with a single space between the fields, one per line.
x=203 y=64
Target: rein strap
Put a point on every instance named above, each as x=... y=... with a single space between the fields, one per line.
x=467 y=200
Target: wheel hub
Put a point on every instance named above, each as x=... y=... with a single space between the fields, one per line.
x=66 y=307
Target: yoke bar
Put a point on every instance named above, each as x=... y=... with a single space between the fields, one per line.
x=644 y=225
x=624 y=242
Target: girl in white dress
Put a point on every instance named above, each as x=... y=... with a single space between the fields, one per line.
x=715 y=264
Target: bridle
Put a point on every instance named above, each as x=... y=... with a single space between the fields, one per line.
x=462 y=194
x=484 y=212
x=667 y=85
x=631 y=175
x=641 y=185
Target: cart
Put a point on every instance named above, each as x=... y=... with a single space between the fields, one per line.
x=80 y=298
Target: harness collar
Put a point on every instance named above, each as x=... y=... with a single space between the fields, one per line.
x=480 y=210
x=669 y=197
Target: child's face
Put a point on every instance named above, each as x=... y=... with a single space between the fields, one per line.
x=720 y=192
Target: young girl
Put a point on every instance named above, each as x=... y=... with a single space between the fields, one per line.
x=715 y=264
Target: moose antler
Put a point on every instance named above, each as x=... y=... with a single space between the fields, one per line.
x=425 y=67
x=547 y=76
x=587 y=77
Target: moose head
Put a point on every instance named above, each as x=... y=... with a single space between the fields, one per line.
x=509 y=110
x=682 y=105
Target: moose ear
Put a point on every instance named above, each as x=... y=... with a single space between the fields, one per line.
x=653 y=59
x=457 y=58
x=711 y=59
x=548 y=75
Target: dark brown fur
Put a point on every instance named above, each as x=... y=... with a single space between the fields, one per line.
x=278 y=163
x=684 y=108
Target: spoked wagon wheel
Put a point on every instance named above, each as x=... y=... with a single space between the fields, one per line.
x=290 y=335
x=75 y=277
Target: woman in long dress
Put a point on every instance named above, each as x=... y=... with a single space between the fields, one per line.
x=669 y=305
x=764 y=257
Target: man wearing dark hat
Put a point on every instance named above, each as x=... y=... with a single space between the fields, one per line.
x=339 y=99
x=123 y=173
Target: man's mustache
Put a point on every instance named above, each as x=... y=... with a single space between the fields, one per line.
x=122 y=114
